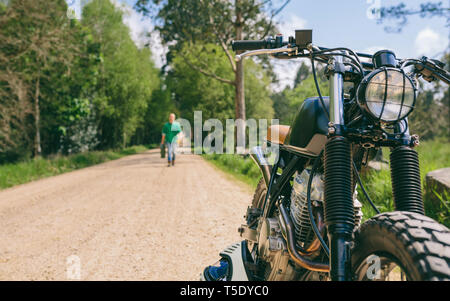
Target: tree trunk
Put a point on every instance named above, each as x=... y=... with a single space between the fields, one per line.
x=37 y=117
x=239 y=80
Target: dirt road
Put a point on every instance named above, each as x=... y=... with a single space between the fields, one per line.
x=129 y=219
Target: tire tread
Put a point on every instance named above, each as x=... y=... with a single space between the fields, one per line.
x=427 y=241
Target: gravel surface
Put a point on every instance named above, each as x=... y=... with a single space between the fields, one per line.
x=128 y=219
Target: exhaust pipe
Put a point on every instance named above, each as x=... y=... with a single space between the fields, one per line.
x=296 y=257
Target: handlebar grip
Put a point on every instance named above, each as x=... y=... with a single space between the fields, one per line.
x=248 y=45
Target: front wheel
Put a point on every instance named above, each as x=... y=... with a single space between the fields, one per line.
x=401 y=245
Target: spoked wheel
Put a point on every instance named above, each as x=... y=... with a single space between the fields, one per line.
x=401 y=246
x=381 y=268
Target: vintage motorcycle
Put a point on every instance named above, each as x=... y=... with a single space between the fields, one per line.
x=304 y=222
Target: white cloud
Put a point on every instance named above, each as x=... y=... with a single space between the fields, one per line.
x=373 y=49
x=139 y=29
x=430 y=43
x=291 y=23
x=286 y=70
x=370 y=50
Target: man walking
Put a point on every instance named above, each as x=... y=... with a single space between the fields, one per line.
x=169 y=135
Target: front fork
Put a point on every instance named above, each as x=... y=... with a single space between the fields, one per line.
x=405 y=174
x=339 y=208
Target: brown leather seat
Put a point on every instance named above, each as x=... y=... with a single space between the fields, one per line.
x=282 y=131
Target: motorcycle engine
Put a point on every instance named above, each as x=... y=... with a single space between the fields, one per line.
x=299 y=207
x=272 y=247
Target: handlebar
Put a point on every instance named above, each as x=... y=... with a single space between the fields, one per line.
x=429 y=69
x=249 y=45
x=275 y=51
x=268 y=43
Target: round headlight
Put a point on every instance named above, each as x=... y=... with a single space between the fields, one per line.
x=387 y=94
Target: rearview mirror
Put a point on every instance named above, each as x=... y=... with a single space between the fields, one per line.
x=303 y=37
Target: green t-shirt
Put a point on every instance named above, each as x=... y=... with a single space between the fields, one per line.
x=171 y=131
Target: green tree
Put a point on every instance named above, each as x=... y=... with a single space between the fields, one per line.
x=217 y=22
x=288 y=102
x=400 y=14
x=127 y=75
x=159 y=107
x=68 y=116
x=430 y=118
x=193 y=91
x=37 y=45
x=257 y=92
x=302 y=73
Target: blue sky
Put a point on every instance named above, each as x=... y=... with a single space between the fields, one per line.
x=345 y=23
x=338 y=23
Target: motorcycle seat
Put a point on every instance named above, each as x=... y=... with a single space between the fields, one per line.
x=277 y=133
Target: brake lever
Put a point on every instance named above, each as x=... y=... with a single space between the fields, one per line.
x=431 y=70
x=265 y=51
x=438 y=63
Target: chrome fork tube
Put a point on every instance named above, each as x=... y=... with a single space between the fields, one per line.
x=338 y=203
x=336 y=95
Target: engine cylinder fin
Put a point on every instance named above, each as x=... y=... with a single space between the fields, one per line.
x=304 y=233
x=299 y=207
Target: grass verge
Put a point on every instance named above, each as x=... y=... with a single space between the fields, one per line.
x=433 y=155
x=240 y=167
x=34 y=169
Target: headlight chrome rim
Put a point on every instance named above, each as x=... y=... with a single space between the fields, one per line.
x=366 y=105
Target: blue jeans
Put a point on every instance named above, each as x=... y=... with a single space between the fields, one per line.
x=171 y=149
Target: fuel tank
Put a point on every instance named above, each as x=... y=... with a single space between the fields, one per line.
x=310 y=127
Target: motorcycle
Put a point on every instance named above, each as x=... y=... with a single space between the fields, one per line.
x=304 y=222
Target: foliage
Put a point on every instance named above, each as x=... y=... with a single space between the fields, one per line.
x=213 y=22
x=401 y=12
x=193 y=91
x=69 y=86
x=210 y=21
x=37 y=44
x=67 y=111
x=127 y=76
x=242 y=168
x=433 y=155
x=439 y=210
x=38 y=168
x=259 y=105
x=288 y=102
x=430 y=118
x=160 y=105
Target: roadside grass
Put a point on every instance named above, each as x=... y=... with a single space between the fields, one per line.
x=439 y=210
x=433 y=155
x=34 y=169
x=240 y=167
